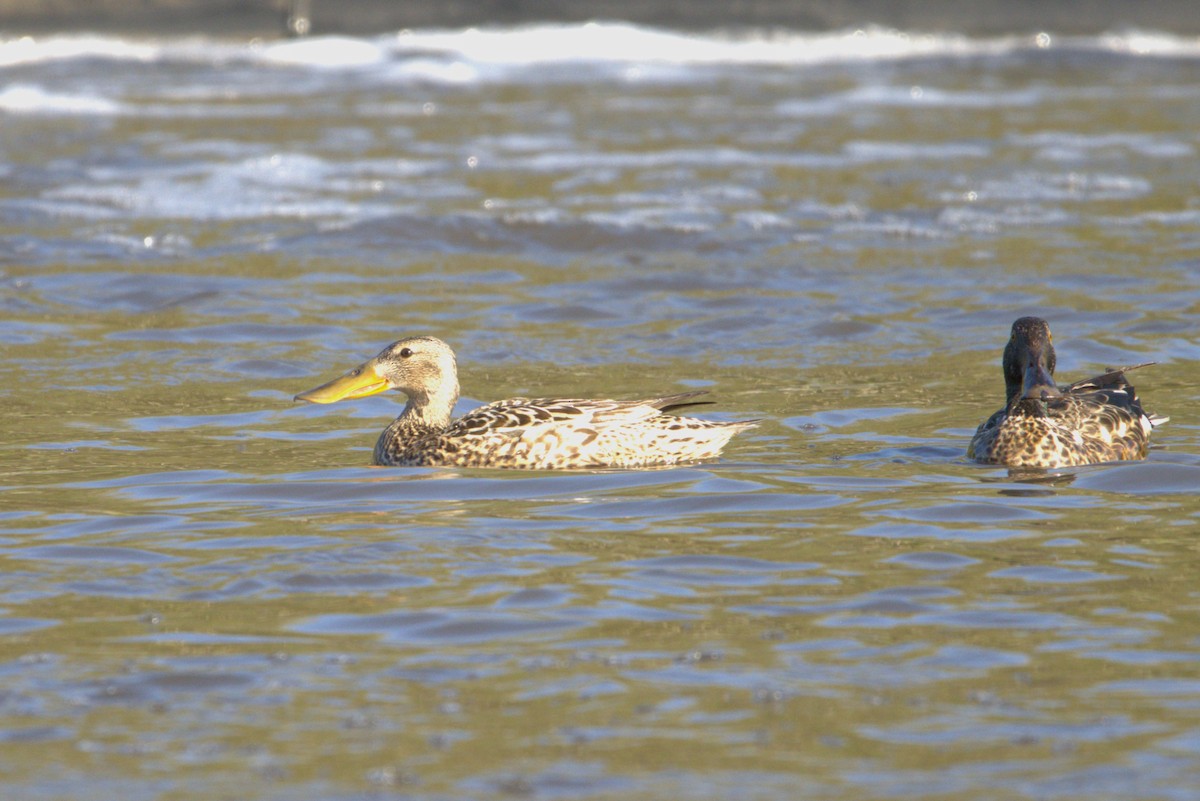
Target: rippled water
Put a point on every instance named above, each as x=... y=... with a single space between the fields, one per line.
x=206 y=593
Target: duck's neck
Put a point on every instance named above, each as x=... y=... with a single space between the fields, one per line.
x=430 y=410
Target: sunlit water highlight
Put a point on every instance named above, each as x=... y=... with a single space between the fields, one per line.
x=207 y=593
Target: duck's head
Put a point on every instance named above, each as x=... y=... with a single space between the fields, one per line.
x=423 y=368
x=1029 y=362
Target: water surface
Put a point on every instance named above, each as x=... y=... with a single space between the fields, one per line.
x=208 y=593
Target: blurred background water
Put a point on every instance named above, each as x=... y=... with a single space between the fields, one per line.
x=205 y=592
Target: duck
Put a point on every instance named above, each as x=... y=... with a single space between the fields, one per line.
x=1099 y=419
x=518 y=433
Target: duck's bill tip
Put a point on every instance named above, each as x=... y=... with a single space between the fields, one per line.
x=355 y=384
x=314 y=396
x=1039 y=383
x=1041 y=392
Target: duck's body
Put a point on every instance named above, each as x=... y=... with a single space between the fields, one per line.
x=522 y=433
x=1099 y=419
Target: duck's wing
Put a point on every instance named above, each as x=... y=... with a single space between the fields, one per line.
x=1110 y=395
x=516 y=416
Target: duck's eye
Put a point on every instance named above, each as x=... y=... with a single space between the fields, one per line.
x=405 y=353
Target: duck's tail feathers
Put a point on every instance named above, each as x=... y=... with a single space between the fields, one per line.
x=669 y=403
x=1113 y=377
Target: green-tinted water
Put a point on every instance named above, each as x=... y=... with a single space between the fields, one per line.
x=206 y=593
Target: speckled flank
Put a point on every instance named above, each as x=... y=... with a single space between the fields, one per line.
x=1100 y=419
x=520 y=433
x=558 y=434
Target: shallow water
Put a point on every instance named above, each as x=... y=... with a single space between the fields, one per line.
x=208 y=594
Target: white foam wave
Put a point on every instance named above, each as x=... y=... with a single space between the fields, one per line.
x=470 y=50
x=27 y=99
x=31 y=50
x=636 y=46
x=330 y=52
x=1146 y=43
x=625 y=44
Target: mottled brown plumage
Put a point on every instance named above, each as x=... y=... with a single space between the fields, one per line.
x=1099 y=419
x=543 y=433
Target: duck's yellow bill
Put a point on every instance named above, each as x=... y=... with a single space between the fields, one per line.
x=360 y=382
